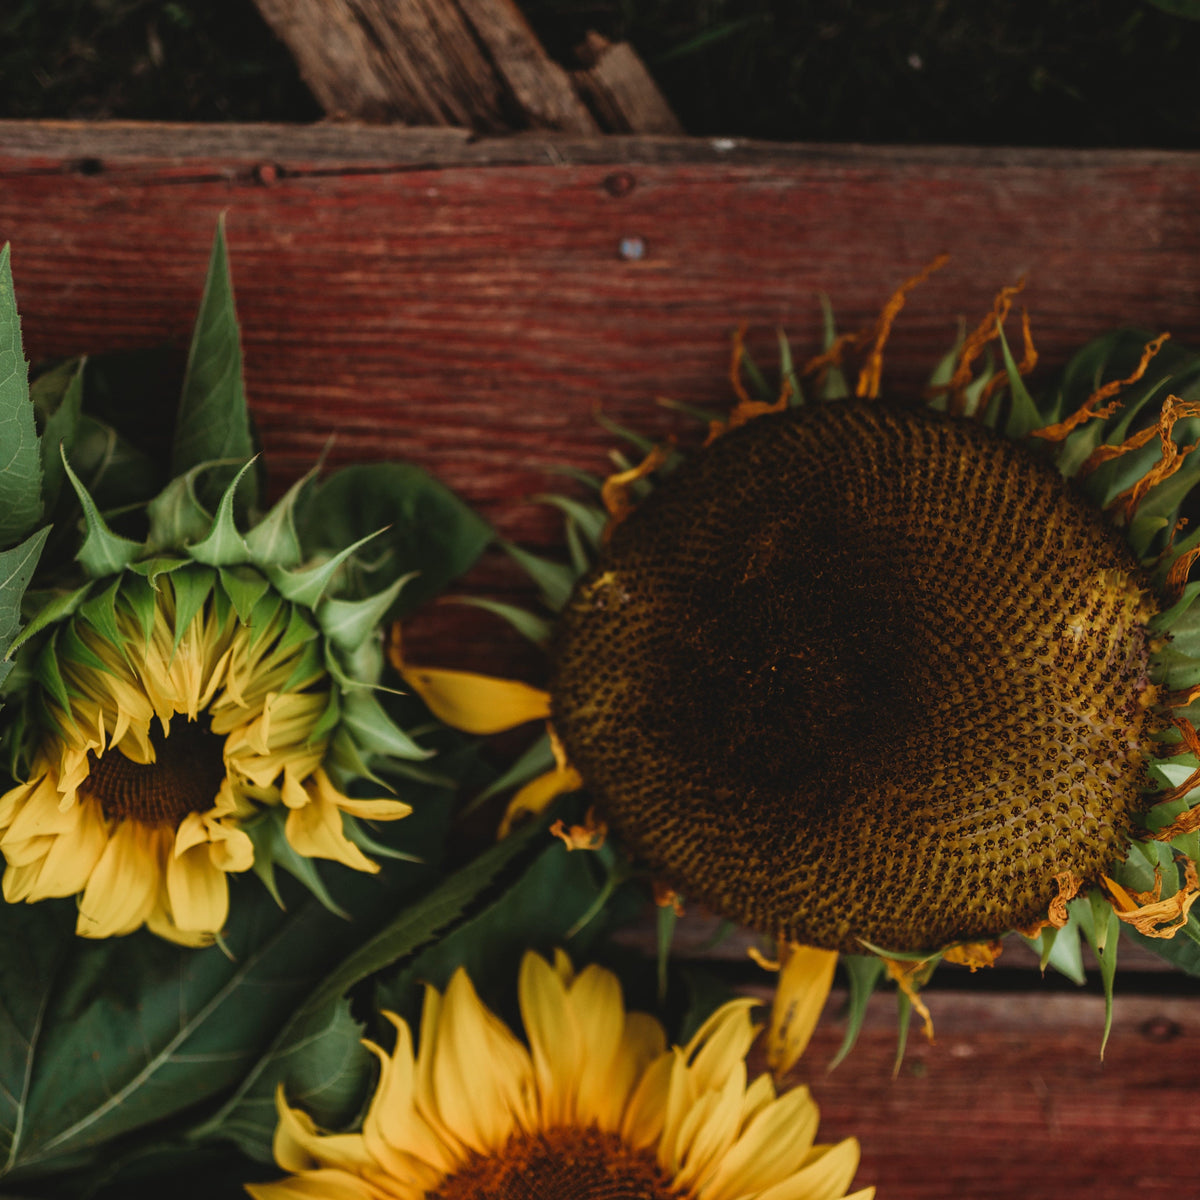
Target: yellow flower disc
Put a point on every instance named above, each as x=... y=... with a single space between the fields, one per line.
x=855 y=673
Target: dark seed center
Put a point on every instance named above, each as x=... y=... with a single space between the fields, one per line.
x=860 y=673
x=185 y=777
x=560 y=1164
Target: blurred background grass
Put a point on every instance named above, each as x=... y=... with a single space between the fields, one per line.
x=1020 y=72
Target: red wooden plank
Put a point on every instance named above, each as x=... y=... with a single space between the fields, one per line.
x=468 y=314
x=1012 y=1102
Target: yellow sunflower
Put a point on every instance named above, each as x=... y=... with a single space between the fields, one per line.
x=875 y=677
x=158 y=745
x=595 y=1107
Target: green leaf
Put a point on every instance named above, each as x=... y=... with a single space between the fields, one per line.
x=57 y=400
x=555 y=580
x=224 y=546
x=212 y=422
x=102 y=552
x=1101 y=927
x=529 y=625
x=16 y=570
x=834 y=386
x=423 y=528
x=20 y=456
x=249 y=1117
x=863 y=972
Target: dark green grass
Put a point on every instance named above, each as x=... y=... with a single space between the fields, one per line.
x=1022 y=72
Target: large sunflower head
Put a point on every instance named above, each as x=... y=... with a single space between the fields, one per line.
x=195 y=691
x=594 y=1105
x=899 y=676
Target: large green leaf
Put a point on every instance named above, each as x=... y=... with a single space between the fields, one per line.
x=117 y=1036
x=424 y=528
x=212 y=422
x=20 y=457
x=16 y=569
x=315 y=1032
x=57 y=399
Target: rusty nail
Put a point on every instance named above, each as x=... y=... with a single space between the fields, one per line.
x=619 y=183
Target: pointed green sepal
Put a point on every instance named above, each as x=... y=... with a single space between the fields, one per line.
x=307 y=587
x=272 y=849
x=375 y=731
x=103 y=552
x=100 y=612
x=224 y=546
x=274 y=542
x=555 y=580
x=1023 y=416
x=137 y=596
x=177 y=518
x=590 y=519
x=864 y=973
x=347 y=623
x=55 y=607
x=354 y=831
x=536 y=629
x=245 y=587
x=192 y=586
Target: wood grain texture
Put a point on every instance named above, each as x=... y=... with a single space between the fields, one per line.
x=1012 y=1101
x=465 y=303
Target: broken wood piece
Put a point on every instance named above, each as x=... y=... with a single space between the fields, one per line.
x=470 y=63
x=620 y=91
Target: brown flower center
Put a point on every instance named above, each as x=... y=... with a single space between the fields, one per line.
x=184 y=778
x=560 y=1164
x=861 y=673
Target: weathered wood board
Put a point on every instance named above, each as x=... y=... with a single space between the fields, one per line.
x=465 y=304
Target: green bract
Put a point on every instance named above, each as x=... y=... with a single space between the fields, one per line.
x=196 y=690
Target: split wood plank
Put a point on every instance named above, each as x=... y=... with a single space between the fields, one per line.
x=470 y=63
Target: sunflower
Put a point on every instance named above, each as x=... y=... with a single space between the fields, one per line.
x=596 y=1106
x=201 y=699
x=161 y=744
x=894 y=679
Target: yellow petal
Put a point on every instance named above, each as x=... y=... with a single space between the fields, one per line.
x=826 y=1177
x=800 y=995
x=773 y=1145
x=124 y=885
x=642 y=1043
x=477 y=703
x=70 y=861
x=535 y=796
x=599 y=1008
x=554 y=1037
x=198 y=891
x=327 y=1184
x=316 y=832
x=481 y=1106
